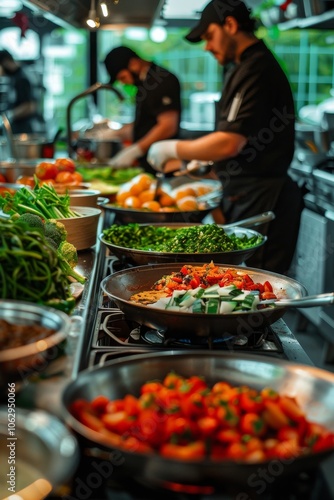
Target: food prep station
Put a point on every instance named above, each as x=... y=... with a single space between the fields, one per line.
x=100 y=333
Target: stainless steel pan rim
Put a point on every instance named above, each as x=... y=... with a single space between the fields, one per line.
x=142 y=257
x=121 y=285
x=314 y=388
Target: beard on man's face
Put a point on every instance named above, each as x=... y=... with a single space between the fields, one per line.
x=136 y=80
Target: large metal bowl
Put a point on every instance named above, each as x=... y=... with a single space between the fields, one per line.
x=19 y=362
x=313 y=388
x=209 y=202
x=142 y=257
x=121 y=285
x=43 y=452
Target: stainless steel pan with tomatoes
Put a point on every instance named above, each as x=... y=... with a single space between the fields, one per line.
x=123 y=285
x=204 y=418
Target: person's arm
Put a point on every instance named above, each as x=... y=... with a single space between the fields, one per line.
x=167 y=126
x=22 y=111
x=211 y=147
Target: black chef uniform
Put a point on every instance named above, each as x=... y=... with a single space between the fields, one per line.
x=159 y=92
x=257 y=102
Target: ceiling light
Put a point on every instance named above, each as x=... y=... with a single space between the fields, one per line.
x=93 y=21
x=104 y=9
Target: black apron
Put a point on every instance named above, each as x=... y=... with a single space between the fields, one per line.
x=253 y=196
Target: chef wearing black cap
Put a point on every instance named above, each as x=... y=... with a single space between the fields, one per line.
x=253 y=144
x=158 y=104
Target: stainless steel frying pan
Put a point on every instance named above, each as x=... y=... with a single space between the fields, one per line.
x=235 y=257
x=313 y=388
x=120 y=286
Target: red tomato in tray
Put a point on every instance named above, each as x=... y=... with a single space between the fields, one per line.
x=2 y=178
x=65 y=165
x=46 y=170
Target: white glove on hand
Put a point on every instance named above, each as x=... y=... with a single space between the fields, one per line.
x=126 y=157
x=160 y=152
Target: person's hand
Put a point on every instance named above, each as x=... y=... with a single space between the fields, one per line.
x=126 y=157
x=160 y=152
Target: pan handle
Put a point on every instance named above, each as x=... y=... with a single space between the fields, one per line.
x=322 y=299
x=256 y=220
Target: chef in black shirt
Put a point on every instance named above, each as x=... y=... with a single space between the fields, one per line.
x=21 y=103
x=253 y=144
x=158 y=104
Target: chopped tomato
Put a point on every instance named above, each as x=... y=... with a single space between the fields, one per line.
x=252 y=424
x=182 y=418
x=192 y=451
x=251 y=402
x=118 y=422
x=228 y=436
x=274 y=416
x=324 y=442
x=290 y=408
x=100 y=403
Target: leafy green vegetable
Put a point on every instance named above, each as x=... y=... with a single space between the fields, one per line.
x=43 y=201
x=108 y=174
x=30 y=268
x=205 y=238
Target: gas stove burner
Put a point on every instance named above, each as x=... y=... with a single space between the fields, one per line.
x=158 y=337
x=153 y=337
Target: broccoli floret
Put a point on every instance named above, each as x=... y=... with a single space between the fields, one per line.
x=55 y=230
x=51 y=242
x=31 y=220
x=69 y=252
x=68 y=258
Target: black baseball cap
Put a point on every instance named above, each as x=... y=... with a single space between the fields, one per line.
x=118 y=59
x=216 y=12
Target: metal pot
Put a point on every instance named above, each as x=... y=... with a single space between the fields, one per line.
x=27 y=146
x=102 y=149
x=313 y=388
x=121 y=285
x=17 y=363
x=12 y=170
x=45 y=453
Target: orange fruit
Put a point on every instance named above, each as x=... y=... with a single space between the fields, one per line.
x=154 y=206
x=144 y=181
x=168 y=209
x=121 y=196
x=184 y=191
x=147 y=195
x=132 y=202
x=202 y=189
x=187 y=203
x=166 y=200
x=140 y=183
